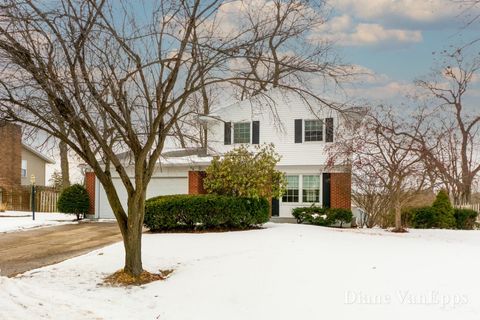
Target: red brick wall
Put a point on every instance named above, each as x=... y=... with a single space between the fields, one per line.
x=341 y=190
x=90 y=186
x=10 y=155
x=195 y=182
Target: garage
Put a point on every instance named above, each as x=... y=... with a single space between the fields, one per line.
x=158 y=186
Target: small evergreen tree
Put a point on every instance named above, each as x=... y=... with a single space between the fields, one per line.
x=243 y=173
x=74 y=200
x=445 y=217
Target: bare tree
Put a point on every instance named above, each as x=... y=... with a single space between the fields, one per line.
x=121 y=83
x=387 y=173
x=446 y=135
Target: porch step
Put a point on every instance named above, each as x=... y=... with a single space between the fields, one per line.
x=283 y=220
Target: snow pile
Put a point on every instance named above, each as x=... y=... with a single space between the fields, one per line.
x=282 y=272
x=20 y=220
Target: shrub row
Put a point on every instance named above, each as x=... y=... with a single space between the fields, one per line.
x=441 y=215
x=430 y=217
x=321 y=216
x=193 y=212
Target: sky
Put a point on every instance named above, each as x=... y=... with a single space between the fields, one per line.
x=398 y=41
x=394 y=41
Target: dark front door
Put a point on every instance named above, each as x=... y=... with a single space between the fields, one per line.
x=275 y=207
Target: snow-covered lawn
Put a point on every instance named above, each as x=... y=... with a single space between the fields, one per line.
x=281 y=272
x=21 y=220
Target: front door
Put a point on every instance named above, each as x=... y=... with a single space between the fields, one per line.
x=275 y=207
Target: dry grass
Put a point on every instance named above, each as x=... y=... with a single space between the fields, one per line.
x=124 y=279
x=3 y=207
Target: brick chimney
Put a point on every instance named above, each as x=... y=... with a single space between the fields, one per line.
x=10 y=154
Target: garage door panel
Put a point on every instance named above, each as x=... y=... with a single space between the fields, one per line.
x=156 y=187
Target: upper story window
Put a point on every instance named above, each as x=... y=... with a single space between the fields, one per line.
x=291 y=194
x=311 y=188
x=313 y=130
x=24 y=168
x=241 y=132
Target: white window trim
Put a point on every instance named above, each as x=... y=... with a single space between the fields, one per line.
x=320 y=191
x=313 y=142
x=26 y=169
x=300 y=190
x=233 y=133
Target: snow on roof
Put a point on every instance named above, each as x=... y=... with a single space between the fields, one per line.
x=194 y=160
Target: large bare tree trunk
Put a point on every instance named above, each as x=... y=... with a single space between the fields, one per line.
x=133 y=251
x=398 y=217
x=64 y=164
x=132 y=236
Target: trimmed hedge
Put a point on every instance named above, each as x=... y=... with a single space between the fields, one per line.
x=322 y=216
x=465 y=218
x=194 y=212
x=74 y=200
x=440 y=215
x=431 y=217
x=423 y=218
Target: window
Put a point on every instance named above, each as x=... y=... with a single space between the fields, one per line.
x=241 y=132
x=311 y=189
x=313 y=130
x=24 y=168
x=291 y=194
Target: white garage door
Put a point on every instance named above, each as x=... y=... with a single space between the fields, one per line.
x=157 y=187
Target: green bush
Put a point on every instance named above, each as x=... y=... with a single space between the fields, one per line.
x=423 y=218
x=341 y=216
x=440 y=215
x=465 y=218
x=310 y=215
x=193 y=212
x=445 y=218
x=74 y=200
x=322 y=216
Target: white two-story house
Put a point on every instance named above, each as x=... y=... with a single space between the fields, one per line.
x=300 y=132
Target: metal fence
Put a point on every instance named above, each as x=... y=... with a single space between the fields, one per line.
x=20 y=199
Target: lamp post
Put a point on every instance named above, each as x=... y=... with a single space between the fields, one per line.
x=32 y=181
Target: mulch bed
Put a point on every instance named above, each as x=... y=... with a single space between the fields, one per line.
x=123 y=279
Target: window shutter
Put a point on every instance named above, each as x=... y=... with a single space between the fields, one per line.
x=329 y=130
x=298 y=130
x=326 y=195
x=227 y=133
x=255 y=132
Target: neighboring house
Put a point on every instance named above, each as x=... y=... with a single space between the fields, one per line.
x=19 y=161
x=300 y=132
x=33 y=162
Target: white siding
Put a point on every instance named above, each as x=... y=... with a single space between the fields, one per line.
x=276 y=126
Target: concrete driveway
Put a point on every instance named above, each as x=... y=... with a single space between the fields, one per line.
x=27 y=250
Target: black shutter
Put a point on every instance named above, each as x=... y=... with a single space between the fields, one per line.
x=227 y=133
x=329 y=130
x=275 y=207
x=326 y=190
x=255 y=132
x=298 y=130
